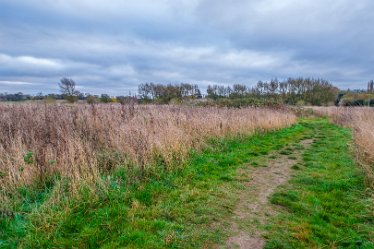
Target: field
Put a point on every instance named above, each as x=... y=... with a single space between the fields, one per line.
x=147 y=176
x=81 y=142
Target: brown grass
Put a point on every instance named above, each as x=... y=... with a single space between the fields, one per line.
x=361 y=120
x=83 y=141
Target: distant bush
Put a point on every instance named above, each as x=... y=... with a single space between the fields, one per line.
x=240 y=102
x=92 y=99
x=49 y=100
x=357 y=99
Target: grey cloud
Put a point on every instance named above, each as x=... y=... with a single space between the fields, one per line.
x=113 y=46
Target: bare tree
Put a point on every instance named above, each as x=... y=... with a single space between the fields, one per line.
x=370 y=90
x=67 y=88
x=239 y=90
x=370 y=86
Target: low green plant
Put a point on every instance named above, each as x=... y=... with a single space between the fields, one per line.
x=29 y=157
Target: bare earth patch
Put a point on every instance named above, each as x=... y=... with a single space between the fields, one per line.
x=254 y=208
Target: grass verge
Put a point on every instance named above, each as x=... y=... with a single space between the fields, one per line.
x=326 y=205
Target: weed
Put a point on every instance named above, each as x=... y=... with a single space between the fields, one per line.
x=296 y=167
x=28 y=158
x=285 y=152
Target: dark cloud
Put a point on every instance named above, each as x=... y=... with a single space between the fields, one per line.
x=113 y=46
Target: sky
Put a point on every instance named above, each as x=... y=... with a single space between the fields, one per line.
x=113 y=46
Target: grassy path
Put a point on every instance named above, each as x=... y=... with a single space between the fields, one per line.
x=254 y=209
x=325 y=203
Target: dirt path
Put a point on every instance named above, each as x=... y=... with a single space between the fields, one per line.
x=254 y=208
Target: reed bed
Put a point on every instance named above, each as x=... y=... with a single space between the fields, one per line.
x=361 y=120
x=84 y=141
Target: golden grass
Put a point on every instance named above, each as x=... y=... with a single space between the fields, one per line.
x=83 y=141
x=361 y=120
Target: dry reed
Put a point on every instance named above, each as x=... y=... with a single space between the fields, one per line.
x=81 y=141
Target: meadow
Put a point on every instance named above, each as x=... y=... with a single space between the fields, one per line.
x=164 y=176
x=82 y=142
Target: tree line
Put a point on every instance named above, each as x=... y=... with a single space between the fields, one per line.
x=292 y=91
x=163 y=94
x=68 y=92
x=51 y=97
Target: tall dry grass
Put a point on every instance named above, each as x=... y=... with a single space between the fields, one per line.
x=82 y=141
x=361 y=120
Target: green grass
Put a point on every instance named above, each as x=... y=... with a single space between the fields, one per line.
x=326 y=203
x=184 y=208
x=192 y=206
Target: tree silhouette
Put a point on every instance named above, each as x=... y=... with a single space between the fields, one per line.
x=67 y=88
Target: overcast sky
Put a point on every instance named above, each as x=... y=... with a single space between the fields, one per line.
x=112 y=46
